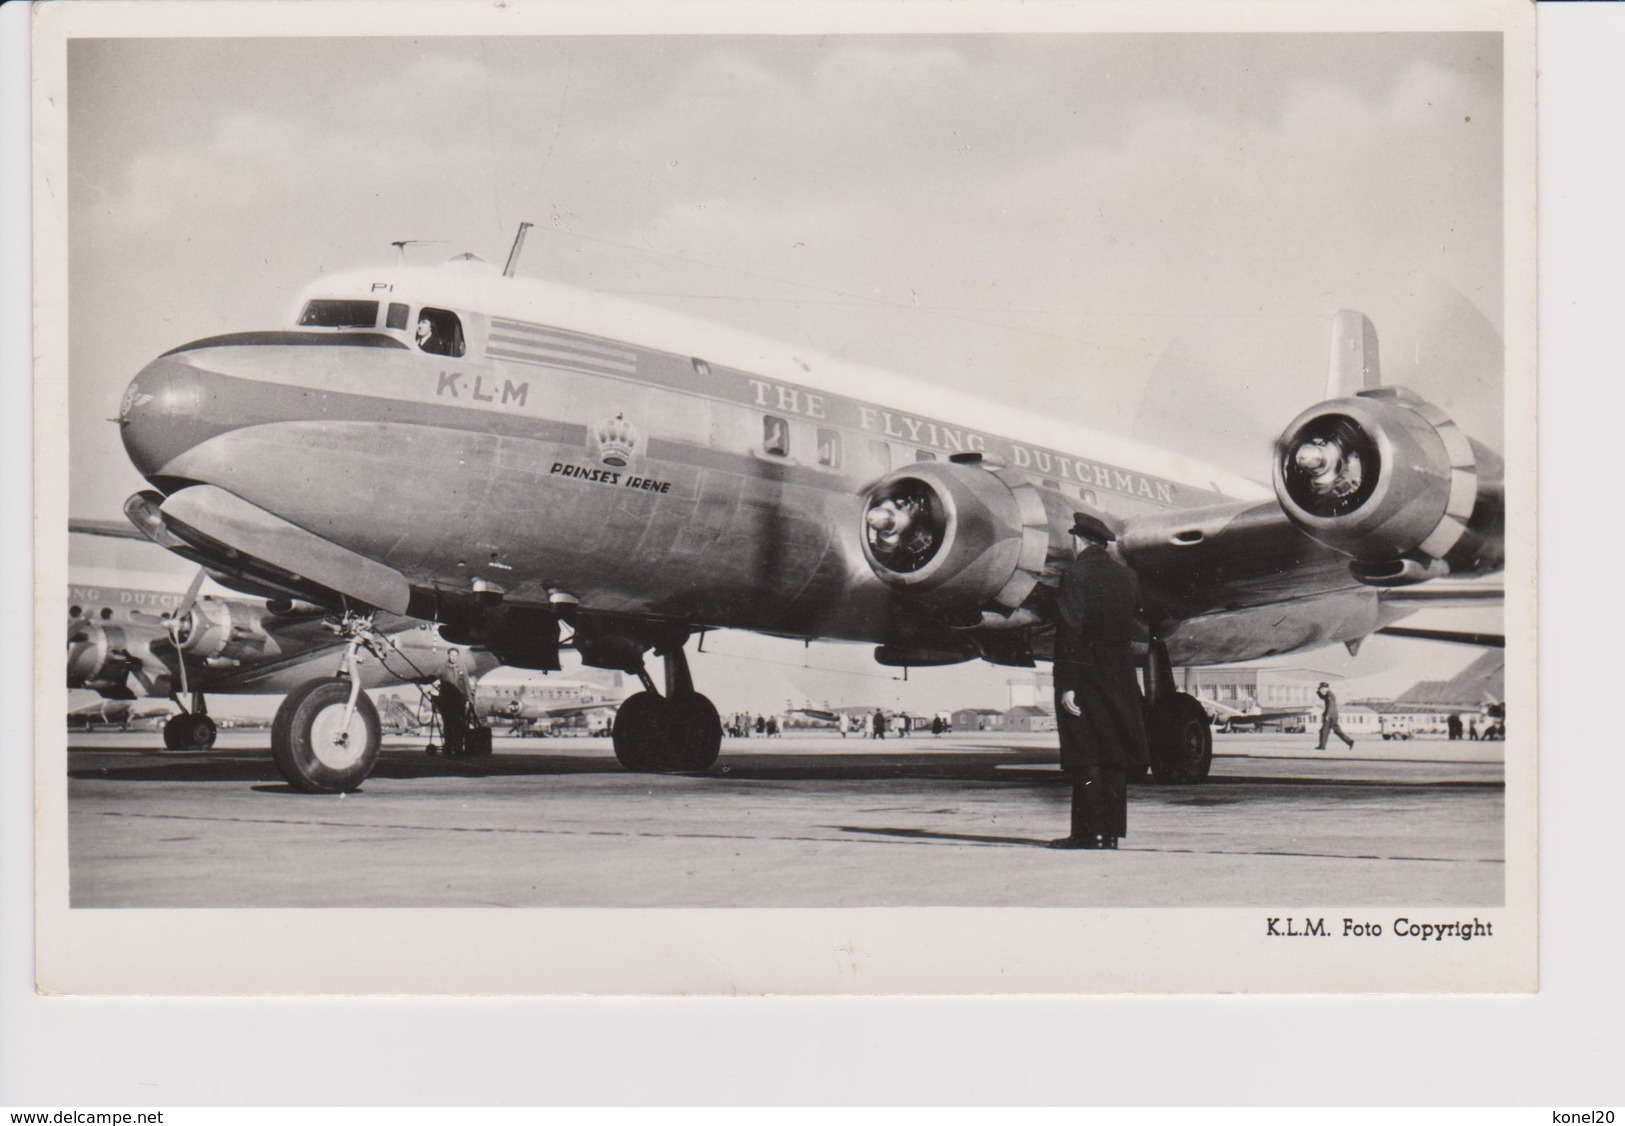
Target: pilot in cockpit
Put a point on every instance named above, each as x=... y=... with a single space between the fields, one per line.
x=425 y=333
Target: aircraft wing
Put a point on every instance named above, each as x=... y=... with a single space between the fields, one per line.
x=1448 y=592
x=113 y=529
x=1250 y=553
x=1228 y=556
x=1459 y=637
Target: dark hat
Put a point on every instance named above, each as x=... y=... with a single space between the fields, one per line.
x=1091 y=527
x=1323 y=684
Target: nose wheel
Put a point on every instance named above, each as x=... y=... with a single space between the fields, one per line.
x=326 y=735
x=677 y=733
x=321 y=743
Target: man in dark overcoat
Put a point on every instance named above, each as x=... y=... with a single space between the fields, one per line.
x=1098 y=705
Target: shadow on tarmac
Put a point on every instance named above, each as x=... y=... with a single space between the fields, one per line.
x=1006 y=768
x=927 y=834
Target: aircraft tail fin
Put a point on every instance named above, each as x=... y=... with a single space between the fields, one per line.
x=1354 y=365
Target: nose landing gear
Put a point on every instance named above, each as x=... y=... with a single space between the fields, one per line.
x=326 y=735
x=677 y=733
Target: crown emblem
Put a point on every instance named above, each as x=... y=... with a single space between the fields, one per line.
x=616 y=440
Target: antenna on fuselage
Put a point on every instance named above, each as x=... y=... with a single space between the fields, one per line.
x=401 y=244
x=518 y=245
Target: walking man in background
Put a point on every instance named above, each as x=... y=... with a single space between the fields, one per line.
x=1328 y=720
x=1098 y=706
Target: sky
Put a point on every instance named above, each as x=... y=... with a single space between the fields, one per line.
x=1144 y=234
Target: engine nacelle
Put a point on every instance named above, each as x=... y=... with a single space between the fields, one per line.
x=105 y=657
x=97 y=657
x=1389 y=480
x=228 y=631
x=963 y=536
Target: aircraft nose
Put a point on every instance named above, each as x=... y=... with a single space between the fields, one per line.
x=160 y=416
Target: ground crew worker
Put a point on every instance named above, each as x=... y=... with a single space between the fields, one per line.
x=1098 y=707
x=452 y=698
x=1328 y=719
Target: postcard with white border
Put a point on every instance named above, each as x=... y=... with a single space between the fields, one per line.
x=904 y=499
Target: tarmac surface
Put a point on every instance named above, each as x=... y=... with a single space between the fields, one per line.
x=799 y=821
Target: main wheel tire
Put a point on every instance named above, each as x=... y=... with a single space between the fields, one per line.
x=694 y=735
x=203 y=732
x=313 y=747
x=659 y=735
x=189 y=731
x=1181 y=741
x=640 y=733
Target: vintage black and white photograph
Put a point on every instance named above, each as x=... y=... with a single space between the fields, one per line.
x=787 y=508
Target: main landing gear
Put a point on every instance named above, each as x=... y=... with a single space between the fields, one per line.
x=677 y=733
x=326 y=735
x=1176 y=724
x=192 y=729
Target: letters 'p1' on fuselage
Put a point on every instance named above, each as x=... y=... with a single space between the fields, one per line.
x=519 y=460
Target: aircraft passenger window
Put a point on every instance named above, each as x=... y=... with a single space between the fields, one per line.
x=829 y=449
x=107 y=614
x=75 y=611
x=1087 y=496
x=880 y=454
x=701 y=367
x=440 y=332
x=339 y=314
x=924 y=455
x=775 y=436
x=398 y=314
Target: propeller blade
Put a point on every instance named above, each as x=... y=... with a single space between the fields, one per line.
x=191 y=595
x=175 y=620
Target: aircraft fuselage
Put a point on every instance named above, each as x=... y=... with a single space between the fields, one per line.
x=546 y=452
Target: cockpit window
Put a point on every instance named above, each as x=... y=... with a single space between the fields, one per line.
x=339 y=314
x=398 y=313
x=439 y=331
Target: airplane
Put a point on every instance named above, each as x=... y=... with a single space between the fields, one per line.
x=1227 y=718
x=531 y=466
x=127 y=642
x=535 y=708
x=111 y=713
